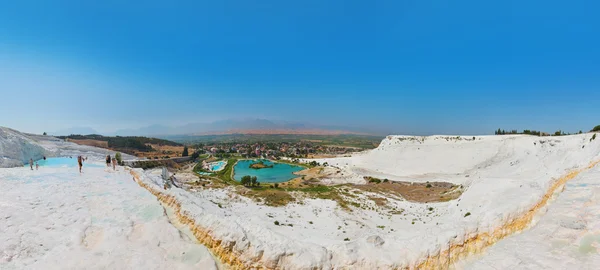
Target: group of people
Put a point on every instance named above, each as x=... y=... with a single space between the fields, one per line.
x=113 y=161
x=37 y=165
x=80 y=160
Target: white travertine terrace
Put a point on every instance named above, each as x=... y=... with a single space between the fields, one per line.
x=508 y=182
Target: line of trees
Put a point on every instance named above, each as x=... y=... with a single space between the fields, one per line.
x=249 y=181
x=539 y=133
x=514 y=131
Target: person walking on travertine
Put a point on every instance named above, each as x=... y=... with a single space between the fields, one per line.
x=31 y=163
x=80 y=162
x=114 y=163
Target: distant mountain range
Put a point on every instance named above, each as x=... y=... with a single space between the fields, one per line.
x=231 y=126
x=74 y=130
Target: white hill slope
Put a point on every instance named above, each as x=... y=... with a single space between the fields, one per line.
x=508 y=180
x=16 y=149
x=56 y=218
x=567 y=236
x=508 y=185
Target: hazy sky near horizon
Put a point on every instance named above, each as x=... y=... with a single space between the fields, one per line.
x=418 y=67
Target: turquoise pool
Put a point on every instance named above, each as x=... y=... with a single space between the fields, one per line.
x=63 y=162
x=216 y=166
x=280 y=172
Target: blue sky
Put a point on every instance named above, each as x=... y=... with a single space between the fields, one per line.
x=418 y=67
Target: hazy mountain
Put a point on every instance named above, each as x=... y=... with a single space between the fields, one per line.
x=74 y=130
x=239 y=126
x=145 y=131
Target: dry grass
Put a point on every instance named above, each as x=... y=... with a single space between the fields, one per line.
x=160 y=151
x=271 y=196
x=416 y=192
x=163 y=150
x=94 y=143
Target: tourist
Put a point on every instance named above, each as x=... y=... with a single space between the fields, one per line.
x=108 y=161
x=31 y=163
x=114 y=163
x=44 y=157
x=80 y=162
x=37 y=166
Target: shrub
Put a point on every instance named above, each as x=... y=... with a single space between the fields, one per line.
x=45 y=133
x=276 y=185
x=428 y=186
x=119 y=158
x=593 y=137
x=467 y=214
x=276 y=222
x=346 y=239
x=185 y=152
x=596 y=128
x=373 y=179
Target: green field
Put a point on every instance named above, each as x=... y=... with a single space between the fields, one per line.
x=358 y=141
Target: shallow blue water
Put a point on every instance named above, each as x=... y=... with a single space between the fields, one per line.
x=217 y=166
x=62 y=162
x=280 y=172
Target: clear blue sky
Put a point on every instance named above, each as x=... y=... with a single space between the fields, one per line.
x=462 y=67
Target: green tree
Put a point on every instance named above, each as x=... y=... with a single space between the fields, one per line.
x=596 y=128
x=246 y=180
x=45 y=134
x=119 y=158
x=185 y=152
x=254 y=181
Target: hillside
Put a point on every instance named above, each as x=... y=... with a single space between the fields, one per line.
x=17 y=148
x=245 y=126
x=130 y=145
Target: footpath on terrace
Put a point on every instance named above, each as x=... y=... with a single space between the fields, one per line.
x=56 y=218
